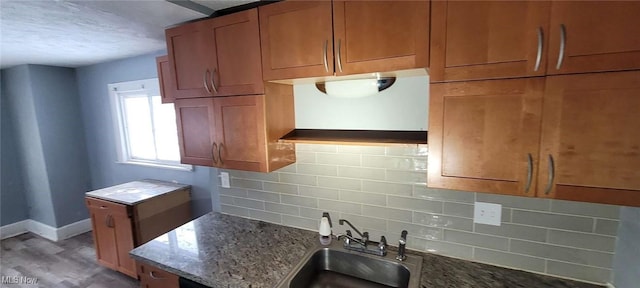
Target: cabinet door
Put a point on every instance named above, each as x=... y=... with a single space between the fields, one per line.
x=121 y=224
x=296 y=38
x=195 y=123
x=104 y=237
x=189 y=58
x=484 y=135
x=378 y=36
x=164 y=77
x=488 y=39
x=598 y=36
x=591 y=138
x=152 y=277
x=236 y=41
x=241 y=133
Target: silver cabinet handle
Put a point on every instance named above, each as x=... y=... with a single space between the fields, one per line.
x=220 y=153
x=552 y=175
x=563 y=43
x=204 y=81
x=529 y=173
x=324 y=55
x=539 y=55
x=214 y=147
x=106 y=220
x=213 y=83
x=153 y=276
x=338 y=55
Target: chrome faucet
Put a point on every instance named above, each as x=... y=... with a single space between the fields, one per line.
x=402 y=242
x=363 y=243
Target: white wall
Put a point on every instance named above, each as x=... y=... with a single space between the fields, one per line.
x=403 y=106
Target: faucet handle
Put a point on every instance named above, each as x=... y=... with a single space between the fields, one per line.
x=365 y=237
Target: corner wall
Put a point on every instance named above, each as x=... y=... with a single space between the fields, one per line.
x=37 y=192
x=13 y=204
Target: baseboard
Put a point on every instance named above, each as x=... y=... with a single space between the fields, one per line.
x=13 y=229
x=44 y=230
x=73 y=229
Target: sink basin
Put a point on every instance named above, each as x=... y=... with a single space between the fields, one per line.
x=335 y=267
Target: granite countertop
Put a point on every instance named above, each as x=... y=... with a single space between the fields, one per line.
x=220 y=250
x=134 y=192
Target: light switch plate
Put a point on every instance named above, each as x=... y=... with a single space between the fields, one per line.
x=487 y=213
x=224 y=180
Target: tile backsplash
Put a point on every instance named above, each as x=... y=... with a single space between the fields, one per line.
x=383 y=190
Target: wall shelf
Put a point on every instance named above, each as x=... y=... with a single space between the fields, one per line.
x=355 y=137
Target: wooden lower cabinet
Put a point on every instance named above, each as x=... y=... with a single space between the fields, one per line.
x=112 y=235
x=152 y=277
x=118 y=228
x=569 y=137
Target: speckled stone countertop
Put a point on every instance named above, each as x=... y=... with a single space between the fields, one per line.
x=226 y=251
x=134 y=192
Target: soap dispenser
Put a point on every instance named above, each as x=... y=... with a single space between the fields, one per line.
x=325 y=229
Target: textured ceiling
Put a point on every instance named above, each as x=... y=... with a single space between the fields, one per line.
x=78 y=33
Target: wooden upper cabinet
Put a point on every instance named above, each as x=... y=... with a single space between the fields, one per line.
x=590 y=147
x=164 y=77
x=216 y=57
x=196 y=130
x=238 y=132
x=237 y=68
x=378 y=36
x=596 y=36
x=188 y=59
x=473 y=40
x=302 y=39
x=297 y=39
x=484 y=135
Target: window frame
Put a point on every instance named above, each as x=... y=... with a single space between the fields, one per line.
x=150 y=87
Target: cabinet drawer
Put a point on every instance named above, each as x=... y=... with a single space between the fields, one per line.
x=115 y=208
x=153 y=277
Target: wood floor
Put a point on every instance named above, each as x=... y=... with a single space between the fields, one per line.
x=64 y=264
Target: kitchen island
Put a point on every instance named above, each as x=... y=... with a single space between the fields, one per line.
x=221 y=250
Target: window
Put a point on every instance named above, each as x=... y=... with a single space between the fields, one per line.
x=146 y=131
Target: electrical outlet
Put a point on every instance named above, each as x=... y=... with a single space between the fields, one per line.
x=224 y=180
x=487 y=213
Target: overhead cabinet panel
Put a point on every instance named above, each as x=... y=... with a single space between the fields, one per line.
x=216 y=57
x=488 y=39
x=304 y=39
x=378 y=36
x=591 y=36
x=297 y=39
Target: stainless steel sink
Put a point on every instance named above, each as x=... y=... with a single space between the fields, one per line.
x=335 y=267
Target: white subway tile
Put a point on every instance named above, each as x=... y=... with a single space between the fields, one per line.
x=299 y=201
x=363 y=198
x=317 y=169
x=338 y=159
x=340 y=183
x=298 y=179
x=318 y=192
x=388 y=188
